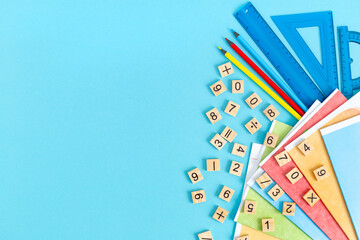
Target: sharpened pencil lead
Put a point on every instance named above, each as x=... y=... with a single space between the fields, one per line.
x=236 y=34
x=222 y=50
x=229 y=42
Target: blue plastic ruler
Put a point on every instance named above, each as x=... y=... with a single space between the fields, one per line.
x=324 y=73
x=278 y=55
x=349 y=86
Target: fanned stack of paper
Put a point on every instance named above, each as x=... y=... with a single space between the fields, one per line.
x=307 y=186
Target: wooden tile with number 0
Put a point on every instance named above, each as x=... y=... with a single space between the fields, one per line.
x=294 y=175
x=253 y=100
x=237 y=86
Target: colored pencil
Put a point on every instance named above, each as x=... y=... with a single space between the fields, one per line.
x=265 y=77
x=261 y=84
x=270 y=71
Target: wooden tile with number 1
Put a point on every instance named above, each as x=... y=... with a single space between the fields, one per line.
x=226 y=193
x=213 y=165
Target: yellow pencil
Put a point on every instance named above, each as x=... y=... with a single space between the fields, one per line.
x=261 y=84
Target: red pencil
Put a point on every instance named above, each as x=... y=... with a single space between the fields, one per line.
x=266 y=78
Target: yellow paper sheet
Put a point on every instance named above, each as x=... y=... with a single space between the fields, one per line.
x=254 y=234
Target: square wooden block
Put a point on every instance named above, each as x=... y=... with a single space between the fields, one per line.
x=271 y=140
x=220 y=214
x=321 y=173
x=232 y=108
x=283 y=158
x=198 y=196
x=249 y=207
x=236 y=168
x=275 y=192
x=218 y=142
x=226 y=193
x=239 y=149
x=226 y=69
x=195 y=175
x=305 y=147
x=268 y=225
x=253 y=125
x=253 y=100
x=264 y=180
x=213 y=115
x=237 y=86
x=218 y=88
x=213 y=165
x=294 y=175
x=270 y=112
x=228 y=134
x=311 y=198
x=205 y=236
x=245 y=237
x=288 y=208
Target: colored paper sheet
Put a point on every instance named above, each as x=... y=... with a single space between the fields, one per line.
x=345 y=159
x=243 y=230
x=318 y=213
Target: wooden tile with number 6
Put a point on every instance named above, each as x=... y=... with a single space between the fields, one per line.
x=253 y=101
x=226 y=193
x=218 y=88
x=271 y=140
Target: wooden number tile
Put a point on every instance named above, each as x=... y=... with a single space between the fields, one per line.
x=232 y=108
x=305 y=147
x=195 y=175
x=226 y=193
x=249 y=207
x=253 y=100
x=205 y=236
x=239 y=149
x=270 y=112
x=268 y=225
x=220 y=214
x=321 y=173
x=198 y=196
x=236 y=168
x=283 y=158
x=213 y=115
x=311 y=198
x=213 y=165
x=226 y=69
x=271 y=140
x=275 y=192
x=253 y=126
x=237 y=86
x=218 y=88
x=288 y=208
x=218 y=142
x=245 y=237
x=263 y=181
x=228 y=134
x=294 y=175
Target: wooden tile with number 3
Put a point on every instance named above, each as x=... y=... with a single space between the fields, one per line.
x=275 y=192
x=239 y=150
x=270 y=112
x=218 y=142
x=226 y=193
x=271 y=140
x=213 y=115
x=228 y=134
x=232 y=108
x=236 y=168
x=218 y=88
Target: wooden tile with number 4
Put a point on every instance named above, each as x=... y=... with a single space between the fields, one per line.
x=270 y=112
x=283 y=158
x=245 y=237
x=195 y=175
x=232 y=108
x=218 y=142
x=220 y=214
x=213 y=165
x=311 y=198
x=321 y=173
x=236 y=168
x=271 y=140
x=305 y=147
x=253 y=101
x=253 y=125
x=228 y=134
x=249 y=207
x=264 y=180
x=198 y=196
x=237 y=86
x=218 y=88
x=288 y=208
x=226 y=193
x=226 y=69
x=294 y=175
x=275 y=192
x=239 y=150
x=205 y=236
x=268 y=225
x=213 y=115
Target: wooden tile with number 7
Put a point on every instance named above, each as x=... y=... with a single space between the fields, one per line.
x=232 y=108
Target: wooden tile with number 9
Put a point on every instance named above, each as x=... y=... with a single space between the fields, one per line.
x=218 y=88
x=198 y=196
x=195 y=175
x=232 y=108
x=236 y=168
x=321 y=173
x=239 y=150
x=226 y=193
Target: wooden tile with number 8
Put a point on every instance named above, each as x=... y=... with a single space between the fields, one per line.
x=268 y=225
x=226 y=193
x=311 y=198
x=226 y=69
x=249 y=207
x=198 y=196
x=288 y=208
x=321 y=173
x=220 y=214
x=239 y=150
x=213 y=165
x=270 y=112
x=294 y=175
x=232 y=108
x=218 y=142
x=253 y=125
x=236 y=168
x=237 y=86
x=228 y=134
x=271 y=140
x=213 y=115
x=264 y=180
x=205 y=236
x=275 y=192
x=195 y=175
x=253 y=101
x=283 y=158
x=218 y=88
x=305 y=147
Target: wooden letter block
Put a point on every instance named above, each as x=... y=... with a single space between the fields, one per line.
x=253 y=125
x=198 y=196
x=275 y=192
x=218 y=88
x=195 y=175
x=218 y=142
x=263 y=181
x=228 y=134
x=232 y=108
x=237 y=86
x=268 y=225
x=311 y=198
x=253 y=100
x=213 y=115
x=213 y=165
x=321 y=173
x=220 y=214
x=294 y=175
x=305 y=147
x=236 y=168
x=288 y=208
x=271 y=113
x=283 y=158
x=239 y=150
x=271 y=140
x=226 y=69
x=226 y=193
x=249 y=207
x=205 y=236
x=245 y=237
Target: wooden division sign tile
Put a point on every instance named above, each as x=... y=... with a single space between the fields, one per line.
x=294 y=175
x=239 y=149
x=253 y=101
x=321 y=173
x=228 y=134
x=275 y=192
x=271 y=140
x=205 y=236
x=249 y=207
x=232 y=108
x=305 y=147
x=226 y=193
x=213 y=165
x=218 y=142
x=236 y=168
x=283 y=158
x=213 y=115
x=288 y=208
x=237 y=86
x=270 y=112
x=268 y=225
x=264 y=180
x=226 y=69
x=218 y=88
x=198 y=196
x=195 y=175
x=253 y=125
x=311 y=198
x=220 y=214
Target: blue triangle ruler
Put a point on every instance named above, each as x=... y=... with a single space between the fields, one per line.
x=349 y=86
x=325 y=74
x=278 y=54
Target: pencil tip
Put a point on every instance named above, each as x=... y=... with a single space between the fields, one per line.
x=222 y=50
x=236 y=34
x=229 y=42
x=219 y=48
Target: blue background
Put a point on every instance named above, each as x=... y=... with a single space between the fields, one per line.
x=102 y=113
